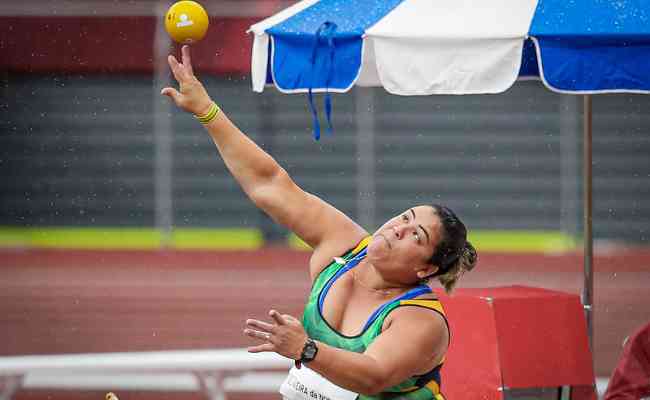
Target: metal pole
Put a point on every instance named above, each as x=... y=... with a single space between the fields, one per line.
x=162 y=132
x=364 y=104
x=587 y=293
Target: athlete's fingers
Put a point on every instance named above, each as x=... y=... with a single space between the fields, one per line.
x=257 y=334
x=187 y=59
x=175 y=67
x=289 y=318
x=277 y=317
x=261 y=348
x=172 y=93
x=261 y=325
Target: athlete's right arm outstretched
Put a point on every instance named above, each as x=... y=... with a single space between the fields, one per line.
x=327 y=230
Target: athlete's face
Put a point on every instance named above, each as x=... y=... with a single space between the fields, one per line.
x=402 y=247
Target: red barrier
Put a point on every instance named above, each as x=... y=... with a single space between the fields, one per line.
x=515 y=338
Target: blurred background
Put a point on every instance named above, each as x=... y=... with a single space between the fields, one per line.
x=121 y=229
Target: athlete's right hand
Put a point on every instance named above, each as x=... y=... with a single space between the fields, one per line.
x=192 y=96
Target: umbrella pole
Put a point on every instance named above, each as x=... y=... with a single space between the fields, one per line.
x=587 y=290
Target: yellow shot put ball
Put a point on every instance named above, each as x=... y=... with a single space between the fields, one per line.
x=111 y=396
x=186 y=22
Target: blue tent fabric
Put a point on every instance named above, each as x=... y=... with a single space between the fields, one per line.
x=291 y=71
x=529 y=68
x=594 y=46
x=582 y=65
x=295 y=38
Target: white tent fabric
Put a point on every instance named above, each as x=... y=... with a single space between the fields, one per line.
x=448 y=46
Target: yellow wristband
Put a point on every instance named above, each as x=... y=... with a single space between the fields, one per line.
x=210 y=115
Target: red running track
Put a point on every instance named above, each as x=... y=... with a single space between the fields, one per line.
x=55 y=301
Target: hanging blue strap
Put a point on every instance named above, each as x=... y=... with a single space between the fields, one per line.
x=330 y=68
x=326 y=30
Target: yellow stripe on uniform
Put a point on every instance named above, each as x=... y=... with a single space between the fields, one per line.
x=362 y=244
x=433 y=387
x=430 y=303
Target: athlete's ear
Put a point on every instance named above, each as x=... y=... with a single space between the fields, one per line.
x=426 y=270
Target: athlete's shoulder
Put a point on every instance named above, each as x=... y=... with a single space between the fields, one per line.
x=326 y=254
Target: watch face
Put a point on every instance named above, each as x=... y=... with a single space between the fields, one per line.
x=310 y=351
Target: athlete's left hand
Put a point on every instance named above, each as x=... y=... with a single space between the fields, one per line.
x=285 y=335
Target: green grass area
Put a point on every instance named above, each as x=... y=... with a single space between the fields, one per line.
x=243 y=239
x=522 y=241
x=129 y=238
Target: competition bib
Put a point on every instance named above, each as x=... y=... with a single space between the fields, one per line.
x=305 y=384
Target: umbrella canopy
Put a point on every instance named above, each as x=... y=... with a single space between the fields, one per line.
x=423 y=47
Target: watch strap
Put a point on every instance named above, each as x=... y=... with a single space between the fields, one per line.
x=309 y=351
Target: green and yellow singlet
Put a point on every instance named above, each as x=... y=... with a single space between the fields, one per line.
x=422 y=387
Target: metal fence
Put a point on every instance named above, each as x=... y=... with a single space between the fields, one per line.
x=91 y=150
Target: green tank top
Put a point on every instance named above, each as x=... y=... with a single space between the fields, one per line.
x=421 y=387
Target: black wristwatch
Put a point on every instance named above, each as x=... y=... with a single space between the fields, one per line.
x=309 y=352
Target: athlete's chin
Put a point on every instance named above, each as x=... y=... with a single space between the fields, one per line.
x=378 y=247
x=382 y=238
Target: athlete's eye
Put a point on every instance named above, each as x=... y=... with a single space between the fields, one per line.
x=405 y=217
x=417 y=236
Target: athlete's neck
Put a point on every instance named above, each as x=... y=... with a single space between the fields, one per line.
x=366 y=276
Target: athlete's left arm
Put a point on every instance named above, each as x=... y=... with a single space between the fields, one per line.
x=408 y=346
x=415 y=338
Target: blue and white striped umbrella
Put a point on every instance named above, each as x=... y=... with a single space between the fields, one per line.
x=424 y=47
